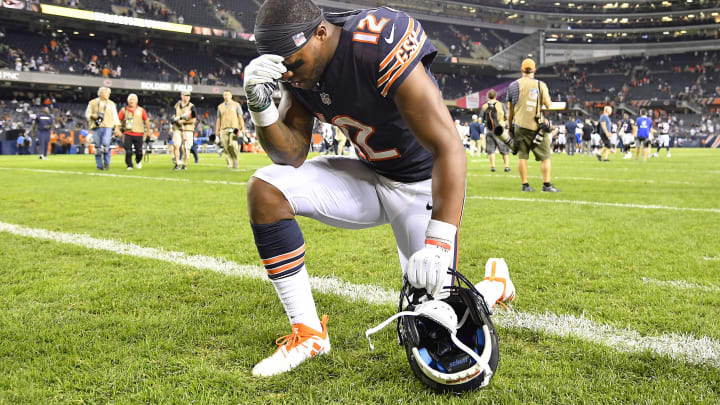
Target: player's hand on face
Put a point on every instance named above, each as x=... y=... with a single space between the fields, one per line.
x=261 y=75
x=428 y=268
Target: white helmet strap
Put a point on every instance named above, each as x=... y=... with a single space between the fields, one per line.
x=482 y=362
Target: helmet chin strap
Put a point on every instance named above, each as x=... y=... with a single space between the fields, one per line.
x=385 y=323
x=482 y=362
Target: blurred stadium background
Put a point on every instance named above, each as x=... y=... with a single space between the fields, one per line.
x=661 y=55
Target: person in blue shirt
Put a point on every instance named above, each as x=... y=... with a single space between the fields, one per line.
x=605 y=133
x=643 y=131
x=41 y=128
x=20 y=141
x=570 y=128
x=476 y=133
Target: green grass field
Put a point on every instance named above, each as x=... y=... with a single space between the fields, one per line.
x=628 y=255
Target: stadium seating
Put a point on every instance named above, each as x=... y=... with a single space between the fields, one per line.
x=76 y=55
x=243 y=11
x=195 y=12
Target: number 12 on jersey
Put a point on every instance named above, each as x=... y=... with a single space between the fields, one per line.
x=362 y=135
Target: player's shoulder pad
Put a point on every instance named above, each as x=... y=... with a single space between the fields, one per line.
x=389 y=40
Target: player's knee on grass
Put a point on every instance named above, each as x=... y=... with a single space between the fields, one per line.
x=266 y=204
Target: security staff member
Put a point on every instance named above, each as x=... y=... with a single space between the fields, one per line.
x=136 y=126
x=525 y=99
x=41 y=130
x=183 y=129
x=102 y=116
x=230 y=125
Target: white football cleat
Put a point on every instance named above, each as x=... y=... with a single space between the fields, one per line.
x=139 y=165
x=669 y=155
x=497 y=270
x=294 y=349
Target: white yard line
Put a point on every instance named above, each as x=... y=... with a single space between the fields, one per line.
x=595 y=203
x=125 y=176
x=157 y=158
x=709 y=258
x=223 y=182
x=100 y=174
x=681 y=284
x=559 y=178
x=703 y=351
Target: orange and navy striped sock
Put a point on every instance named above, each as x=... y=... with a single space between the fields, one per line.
x=282 y=249
x=281 y=246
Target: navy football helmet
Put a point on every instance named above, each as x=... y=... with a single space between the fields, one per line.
x=451 y=344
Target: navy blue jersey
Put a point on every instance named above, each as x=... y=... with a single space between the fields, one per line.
x=44 y=122
x=626 y=127
x=378 y=49
x=475 y=130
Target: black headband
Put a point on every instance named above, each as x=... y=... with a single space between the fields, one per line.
x=285 y=39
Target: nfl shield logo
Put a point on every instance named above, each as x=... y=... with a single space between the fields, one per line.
x=325 y=98
x=299 y=39
x=533 y=94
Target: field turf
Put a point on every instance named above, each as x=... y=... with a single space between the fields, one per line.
x=627 y=248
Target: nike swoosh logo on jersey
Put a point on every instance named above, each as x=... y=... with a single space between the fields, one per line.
x=391 y=38
x=429 y=207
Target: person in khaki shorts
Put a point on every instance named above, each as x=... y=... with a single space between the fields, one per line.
x=183 y=129
x=494 y=142
x=230 y=125
x=526 y=96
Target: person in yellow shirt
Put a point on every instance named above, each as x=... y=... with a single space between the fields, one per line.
x=229 y=127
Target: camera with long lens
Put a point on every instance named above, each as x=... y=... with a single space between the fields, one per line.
x=543 y=129
x=543 y=124
x=175 y=120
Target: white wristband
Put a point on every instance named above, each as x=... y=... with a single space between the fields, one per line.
x=266 y=117
x=441 y=231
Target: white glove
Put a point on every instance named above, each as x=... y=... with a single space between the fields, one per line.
x=428 y=267
x=261 y=75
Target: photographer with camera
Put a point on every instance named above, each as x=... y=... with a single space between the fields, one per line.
x=136 y=127
x=493 y=116
x=102 y=116
x=229 y=127
x=183 y=129
x=529 y=129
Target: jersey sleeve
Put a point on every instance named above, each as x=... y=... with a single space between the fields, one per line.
x=145 y=115
x=401 y=44
x=513 y=93
x=121 y=114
